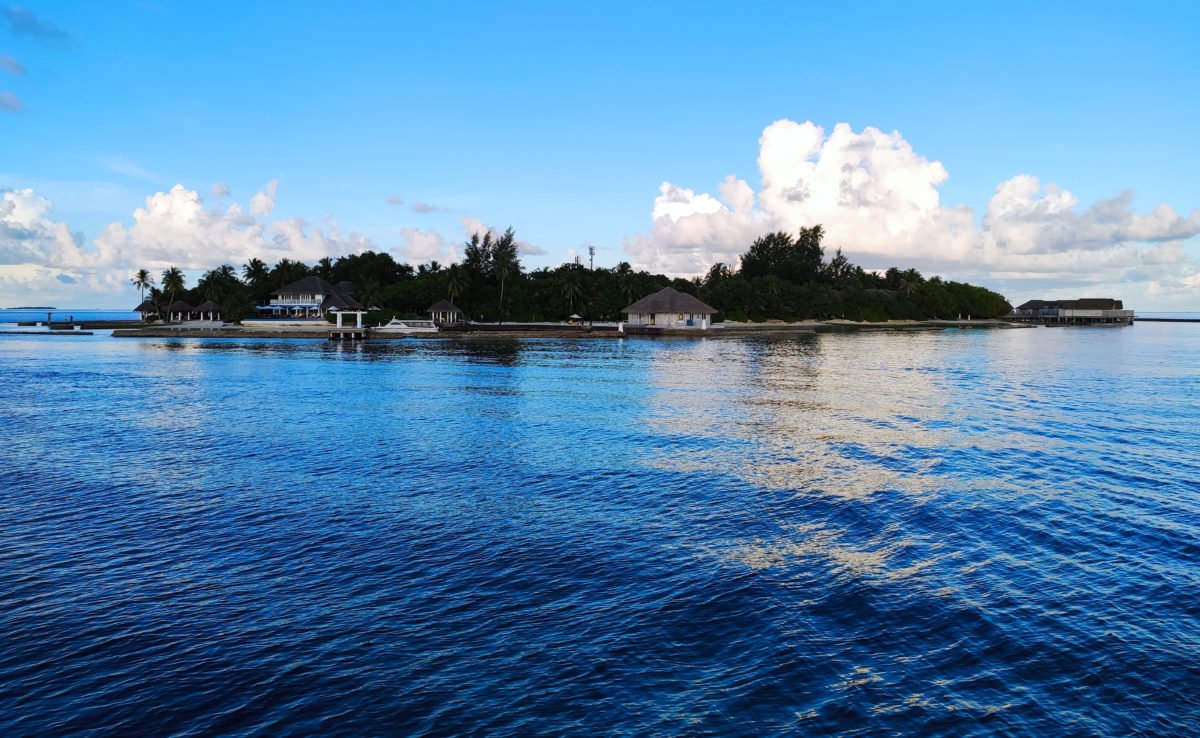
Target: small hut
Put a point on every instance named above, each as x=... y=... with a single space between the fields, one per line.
x=179 y=311
x=208 y=310
x=445 y=312
x=670 y=308
x=146 y=309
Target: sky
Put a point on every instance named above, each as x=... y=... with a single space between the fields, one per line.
x=1044 y=150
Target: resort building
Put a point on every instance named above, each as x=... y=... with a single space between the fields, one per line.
x=1084 y=311
x=311 y=298
x=445 y=311
x=669 y=308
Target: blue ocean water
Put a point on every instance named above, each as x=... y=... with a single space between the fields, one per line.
x=14 y=315
x=949 y=533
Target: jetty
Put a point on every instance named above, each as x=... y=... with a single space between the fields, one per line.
x=1086 y=311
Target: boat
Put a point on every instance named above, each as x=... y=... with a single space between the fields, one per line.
x=406 y=327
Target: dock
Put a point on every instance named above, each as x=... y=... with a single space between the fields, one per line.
x=348 y=334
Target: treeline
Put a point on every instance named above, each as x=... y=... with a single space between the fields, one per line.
x=780 y=276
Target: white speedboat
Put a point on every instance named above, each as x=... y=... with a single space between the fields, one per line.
x=406 y=327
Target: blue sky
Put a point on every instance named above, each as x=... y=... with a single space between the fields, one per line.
x=565 y=119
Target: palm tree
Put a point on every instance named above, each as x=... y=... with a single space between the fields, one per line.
x=172 y=282
x=156 y=299
x=456 y=281
x=368 y=294
x=505 y=262
x=142 y=280
x=570 y=287
x=626 y=281
x=255 y=272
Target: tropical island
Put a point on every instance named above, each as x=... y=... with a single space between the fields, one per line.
x=780 y=277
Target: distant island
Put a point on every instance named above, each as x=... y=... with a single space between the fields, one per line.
x=781 y=276
x=34 y=307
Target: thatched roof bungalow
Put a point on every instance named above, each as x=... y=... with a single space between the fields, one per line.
x=670 y=308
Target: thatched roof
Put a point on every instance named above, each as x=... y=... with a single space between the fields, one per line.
x=668 y=300
x=207 y=307
x=146 y=307
x=179 y=306
x=443 y=306
x=336 y=301
x=312 y=285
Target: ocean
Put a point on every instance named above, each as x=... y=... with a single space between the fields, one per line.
x=960 y=533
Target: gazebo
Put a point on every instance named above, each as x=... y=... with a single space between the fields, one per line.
x=210 y=309
x=146 y=309
x=179 y=310
x=445 y=312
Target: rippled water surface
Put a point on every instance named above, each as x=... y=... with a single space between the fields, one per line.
x=949 y=533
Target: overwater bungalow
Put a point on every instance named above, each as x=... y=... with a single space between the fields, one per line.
x=310 y=297
x=445 y=311
x=669 y=308
x=1084 y=311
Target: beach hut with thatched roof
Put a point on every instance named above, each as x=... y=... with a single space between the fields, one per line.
x=146 y=309
x=445 y=311
x=179 y=310
x=208 y=310
x=669 y=308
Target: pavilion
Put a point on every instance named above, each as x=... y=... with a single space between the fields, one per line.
x=210 y=309
x=445 y=311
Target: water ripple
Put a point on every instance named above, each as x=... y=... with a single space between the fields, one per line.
x=959 y=533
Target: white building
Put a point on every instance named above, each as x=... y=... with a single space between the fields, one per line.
x=669 y=308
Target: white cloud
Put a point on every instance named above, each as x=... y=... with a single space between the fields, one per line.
x=173 y=229
x=421 y=247
x=264 y=202
x=879 y=201
x=424 y=207
x=220 y=189
x=394 y=200
x=473 y=225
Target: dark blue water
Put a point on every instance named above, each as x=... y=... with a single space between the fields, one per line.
x=951 y=533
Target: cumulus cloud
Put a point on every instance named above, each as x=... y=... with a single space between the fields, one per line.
x=11 y=103
x=879 y=200
x=424 y=207
x=264 y=202
x=220 y=189
x=11 y=65
x=394 y=200
x=421 y=247
x=24 y=23
x=474 y=225
x=174 y=228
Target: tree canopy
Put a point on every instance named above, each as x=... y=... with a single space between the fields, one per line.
x=780 y=276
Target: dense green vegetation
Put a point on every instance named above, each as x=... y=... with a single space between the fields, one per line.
x=780 y=276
